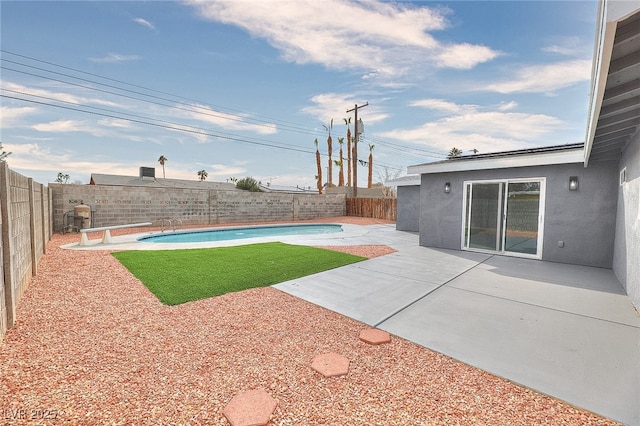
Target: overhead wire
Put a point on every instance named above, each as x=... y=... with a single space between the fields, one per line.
x=149 y=98
x=190 y=108
x=242 y=116
x=160 y=123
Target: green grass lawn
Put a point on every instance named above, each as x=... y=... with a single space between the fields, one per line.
x=180 y=276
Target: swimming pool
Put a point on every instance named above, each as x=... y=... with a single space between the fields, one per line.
x=241 y=233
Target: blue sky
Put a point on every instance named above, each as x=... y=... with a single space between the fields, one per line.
x=243 y=87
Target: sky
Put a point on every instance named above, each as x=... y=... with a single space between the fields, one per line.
x=243 y=88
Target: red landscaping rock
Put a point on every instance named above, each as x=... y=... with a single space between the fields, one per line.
x=250 y=408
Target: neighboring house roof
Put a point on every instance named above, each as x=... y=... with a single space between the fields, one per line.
x=409 y=180
x=614 y=109
x=559 y=154
x=287 y=189
x=118 y=180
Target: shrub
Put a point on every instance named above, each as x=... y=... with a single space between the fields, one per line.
x=248 y=184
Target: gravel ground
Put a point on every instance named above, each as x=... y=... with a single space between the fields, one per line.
x=93 y=346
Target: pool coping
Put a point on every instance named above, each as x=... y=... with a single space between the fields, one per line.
x=348 y=236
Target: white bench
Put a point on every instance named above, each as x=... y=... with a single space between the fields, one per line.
x=106 y=237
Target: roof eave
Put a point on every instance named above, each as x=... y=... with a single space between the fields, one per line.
x=602 y=52
x=535 y=159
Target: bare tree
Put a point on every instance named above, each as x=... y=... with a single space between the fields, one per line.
x=62 y=178
x=3 y=154
x=386 y=175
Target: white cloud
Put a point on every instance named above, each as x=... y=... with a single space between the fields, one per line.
x=464 y=56
x=389 y=39
x=61 y=126
x=35 y=159
x=568 y=46
x=507 y=106
x=116 y=57
x=47 y=95
x=11 y=117
x=468 y=128
x=115 y=123
x=22 y=91
x=101 y=128
x=223 y=171
x=236 y=122
x=544 y=78
x=326 y=106
x=144 y=23
x=443 y=106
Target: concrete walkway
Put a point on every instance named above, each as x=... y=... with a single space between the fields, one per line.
x=564 y=330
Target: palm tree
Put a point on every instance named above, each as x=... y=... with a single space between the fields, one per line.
x=455 y=152
x=339 y=163
x=162 y=160
x=202 y=174
x=62 y=178
x=329 y=149
x=319 y=166
x=370 y=178
x=347 y=122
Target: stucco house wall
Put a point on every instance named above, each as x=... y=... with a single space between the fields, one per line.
x=408 y=214
x=585 y=220
x=626 y=253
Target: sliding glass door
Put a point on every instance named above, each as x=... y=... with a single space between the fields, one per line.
x=522 y=218
x=504 y=217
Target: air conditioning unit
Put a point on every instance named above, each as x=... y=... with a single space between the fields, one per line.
x=147 y=172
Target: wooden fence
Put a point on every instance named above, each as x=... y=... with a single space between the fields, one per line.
x=378 y=208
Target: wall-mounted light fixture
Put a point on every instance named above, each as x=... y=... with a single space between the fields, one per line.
x=573 y=183
x=447 y=187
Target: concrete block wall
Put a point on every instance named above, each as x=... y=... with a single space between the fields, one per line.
x=311 y=207
x=24 y=227
x=117 y=205
x=243 y=206
x=3 y=302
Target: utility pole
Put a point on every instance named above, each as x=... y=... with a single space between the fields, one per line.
x=355 y=150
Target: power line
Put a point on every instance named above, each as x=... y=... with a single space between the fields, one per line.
x=172 y=126
x=267 y=122
x=190 y=108
x=407 y=150
x=153 y=99
x=238 y=116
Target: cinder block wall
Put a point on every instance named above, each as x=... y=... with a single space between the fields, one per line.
x=3 y=302
x=24 y=230
x=117 y=205
x=28 y=209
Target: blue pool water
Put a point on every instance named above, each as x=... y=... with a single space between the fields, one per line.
x=239 y=233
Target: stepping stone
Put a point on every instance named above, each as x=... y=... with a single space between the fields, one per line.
x=373 y=336
x=250 y=408
x=331 y=364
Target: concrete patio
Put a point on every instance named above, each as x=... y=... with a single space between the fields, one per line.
x=564 y=330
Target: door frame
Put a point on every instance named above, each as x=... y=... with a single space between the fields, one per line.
x=503 y=210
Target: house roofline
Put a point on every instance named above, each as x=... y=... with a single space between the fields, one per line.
x=562 y=154
x=603 y=49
